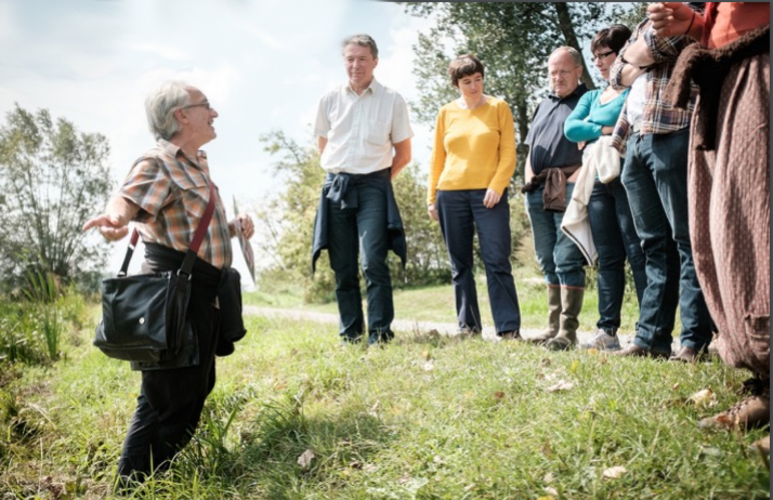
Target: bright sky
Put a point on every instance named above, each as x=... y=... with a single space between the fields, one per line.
x=262 y=64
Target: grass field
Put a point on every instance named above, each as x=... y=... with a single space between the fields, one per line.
x=424 y=418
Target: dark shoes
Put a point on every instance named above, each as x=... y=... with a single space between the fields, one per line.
x=634 y=351
x=688 y=355
x=513 y=335
x=559 y=343
x=542 y=338
x=466 y=331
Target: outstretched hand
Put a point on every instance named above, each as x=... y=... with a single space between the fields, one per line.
x=112 y=227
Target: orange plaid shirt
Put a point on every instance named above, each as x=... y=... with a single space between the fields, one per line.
x=172 y=192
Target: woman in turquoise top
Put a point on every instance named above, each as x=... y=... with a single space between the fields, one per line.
x=610 y=216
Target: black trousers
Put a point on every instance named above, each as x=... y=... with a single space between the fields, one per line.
x=170 y=402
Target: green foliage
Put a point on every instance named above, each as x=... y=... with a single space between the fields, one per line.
x=52 y=178
x=288 y=224
x=32 y=332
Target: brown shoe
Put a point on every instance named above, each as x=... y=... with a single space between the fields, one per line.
x=753 y=411
x=634 y=351
x=688 y=355
x=559 y=343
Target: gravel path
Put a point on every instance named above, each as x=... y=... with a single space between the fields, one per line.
x=411 y=325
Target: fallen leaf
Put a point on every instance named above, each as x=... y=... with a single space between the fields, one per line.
x=499 y=395
x=550 y=491
x=306 y=458
x=711 y=451
x=548 y=478
x=426 y=355
x=615 y=472
x=545 y=362
x=703 y=397
x=675 y=386
x=561 y=385
x=592 y=351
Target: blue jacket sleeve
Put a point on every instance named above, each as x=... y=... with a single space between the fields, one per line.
x=576 y=128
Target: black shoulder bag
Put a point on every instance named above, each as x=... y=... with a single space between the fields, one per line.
x=144 y=315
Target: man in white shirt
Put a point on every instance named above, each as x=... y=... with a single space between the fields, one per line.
x=357 y=126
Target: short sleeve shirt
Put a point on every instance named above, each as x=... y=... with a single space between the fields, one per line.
x=172 y=192
x=361 y=129
x=548 y=146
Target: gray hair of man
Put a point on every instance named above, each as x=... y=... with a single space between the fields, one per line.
x=574 y=53
x=362 y=40
x=161 y=104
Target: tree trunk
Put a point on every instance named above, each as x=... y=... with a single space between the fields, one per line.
x=567 y=28
x=522 y=113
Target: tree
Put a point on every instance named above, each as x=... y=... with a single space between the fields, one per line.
x=52 y=178
x=287 y=224
x=513 y=40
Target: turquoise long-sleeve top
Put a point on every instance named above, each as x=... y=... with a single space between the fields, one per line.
x=585 y=122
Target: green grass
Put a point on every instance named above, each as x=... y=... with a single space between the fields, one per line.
x=425 y=418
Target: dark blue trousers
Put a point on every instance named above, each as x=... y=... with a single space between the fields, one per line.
x=359 y=228
x=460 y=213
x=655 y=178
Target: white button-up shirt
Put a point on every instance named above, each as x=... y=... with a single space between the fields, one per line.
x=360 y=129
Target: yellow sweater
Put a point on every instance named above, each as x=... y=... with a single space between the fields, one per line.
x=474 y=149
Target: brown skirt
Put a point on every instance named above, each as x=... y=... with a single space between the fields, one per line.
x=729 y=201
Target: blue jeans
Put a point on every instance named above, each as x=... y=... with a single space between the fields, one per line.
x=362 y=231
x=655 y=178
x=560 y=260
x=615 y=238
x=460 y=212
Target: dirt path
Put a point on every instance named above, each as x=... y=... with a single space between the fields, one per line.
x=408 y=325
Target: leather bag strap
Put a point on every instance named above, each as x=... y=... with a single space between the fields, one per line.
x=193 y=248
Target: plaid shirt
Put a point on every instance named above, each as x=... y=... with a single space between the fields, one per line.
x=658 y=117
x=172 y=193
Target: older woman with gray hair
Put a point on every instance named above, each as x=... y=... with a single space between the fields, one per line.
x=166 y=193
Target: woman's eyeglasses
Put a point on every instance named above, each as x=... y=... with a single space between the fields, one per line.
x=601 y=55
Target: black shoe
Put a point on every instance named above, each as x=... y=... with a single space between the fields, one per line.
x=512 y=335
x=634 y=351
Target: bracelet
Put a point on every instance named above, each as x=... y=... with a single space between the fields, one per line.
x=692 y=20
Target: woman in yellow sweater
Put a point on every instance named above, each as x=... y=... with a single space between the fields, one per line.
x=473 y=159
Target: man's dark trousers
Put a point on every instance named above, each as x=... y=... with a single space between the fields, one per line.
x=360 y=229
